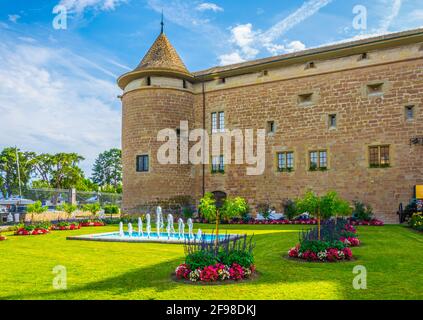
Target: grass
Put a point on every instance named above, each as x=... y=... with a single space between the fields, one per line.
x=393 y=257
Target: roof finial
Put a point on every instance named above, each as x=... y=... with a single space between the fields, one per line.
x=162 y=24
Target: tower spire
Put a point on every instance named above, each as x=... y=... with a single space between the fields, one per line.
x=162 y=24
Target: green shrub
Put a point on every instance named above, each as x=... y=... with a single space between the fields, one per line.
x=289 y=209
x=236 y=207
x=264 y=209
x=36 y=208
x=200 y=259
x=188 y=212
x=318 y=245
x=243 y=258
x=362 y=212
x=111 y=209
x=416 y=221
x=93 y=208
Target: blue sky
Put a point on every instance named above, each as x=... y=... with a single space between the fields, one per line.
x=57 y=87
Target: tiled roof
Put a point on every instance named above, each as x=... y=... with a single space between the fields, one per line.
x=162 y=55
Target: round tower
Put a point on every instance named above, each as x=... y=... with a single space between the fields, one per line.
x=156 y=95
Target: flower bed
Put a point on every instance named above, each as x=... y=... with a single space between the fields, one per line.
x=32 y=230
x=373 y=222
x=230 y=259
x=278 y=222
x=66 y=226
x=214 y=273
x=349 y=236
x=92 y=223
x=315 y=251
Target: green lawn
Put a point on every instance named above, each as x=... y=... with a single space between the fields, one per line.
x=393 y=256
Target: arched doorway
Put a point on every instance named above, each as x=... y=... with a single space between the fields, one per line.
x=220 y=197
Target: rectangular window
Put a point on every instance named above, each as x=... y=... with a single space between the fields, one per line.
x=409 y=112
x=218 y=164
x=218 y=121
x=285 y=161
x=318 y=160
x=214 y=122
x=270 y=127
x=305 y=99
x=332 y=121
x=222 y=121
x=379 y=156
x=142 y=163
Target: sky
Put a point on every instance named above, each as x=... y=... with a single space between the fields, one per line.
x=59 y=59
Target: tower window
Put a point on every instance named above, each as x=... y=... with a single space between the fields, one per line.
x=218 y=164
x=332 y=121
x=184 y=84
x=178 y=132
x=271 y=127
x=409 y=112
x=148 y=81
x=318 y=160
x=142 y=163
x=379 y=156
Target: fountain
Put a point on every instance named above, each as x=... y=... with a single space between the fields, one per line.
x=170 y=228
x=159 y=220
x=140 y=233
x=190 y=226
x=181 y=229
x=149 y=236
x=199 y=234
x=148 y=218
x=121 y=233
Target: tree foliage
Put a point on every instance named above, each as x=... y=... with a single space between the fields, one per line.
x=36 y=208
x=9 y=178
x=107 y=169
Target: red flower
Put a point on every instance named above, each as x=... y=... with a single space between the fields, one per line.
x=236 y=272
x=293 y=253
x=347 y=253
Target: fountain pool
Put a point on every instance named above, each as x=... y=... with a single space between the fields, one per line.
x=170 y=236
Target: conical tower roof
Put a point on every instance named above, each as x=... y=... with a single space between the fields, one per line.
x=161 y=59
x=162 y=55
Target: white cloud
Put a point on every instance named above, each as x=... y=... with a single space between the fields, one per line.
x=230 y=58
x=51 y=100
x=14 y=18
x=249 y=42
x=416 y=15
x=209 y=6
x=79 y=6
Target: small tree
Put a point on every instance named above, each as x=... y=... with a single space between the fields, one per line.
x=68 y=209
x=93 y=208
x=236 y=207
x=289 y=209
x=310 y=203
x=36 y=208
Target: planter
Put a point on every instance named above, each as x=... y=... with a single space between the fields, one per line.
x=218 y=273
x=33 y=232
x=72 y=226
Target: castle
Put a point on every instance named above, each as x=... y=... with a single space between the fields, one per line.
x=345 y=117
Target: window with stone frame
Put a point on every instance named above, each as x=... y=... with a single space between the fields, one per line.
x=143 y=163
x=218 y=164
x=318 y=160
x=379 y=156
x=285 y=161
x=218 y=121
